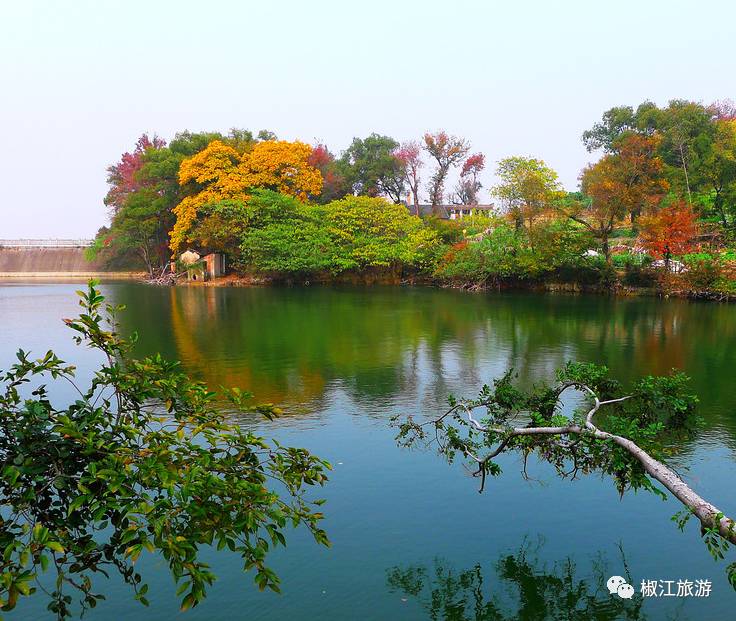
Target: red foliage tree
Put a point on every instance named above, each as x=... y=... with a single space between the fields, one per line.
x=723 y=110
x=671 y=231
x=122 y=176
x=474 y=165
x=334 y=184
x=468 y=185
x=448 y=151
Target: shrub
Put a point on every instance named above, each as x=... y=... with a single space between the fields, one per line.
x=638 y=276
x=448 y=231
x=286 y=237
x=703 y=271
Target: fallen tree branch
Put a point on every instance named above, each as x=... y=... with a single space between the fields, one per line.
x=584 y=429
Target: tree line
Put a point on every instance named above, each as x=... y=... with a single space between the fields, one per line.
x=664 y=176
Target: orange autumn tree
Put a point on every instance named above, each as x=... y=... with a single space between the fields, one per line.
x=640 y=174
x=670 y=231
x=220 y=173
x=213 y=173
x=283 y=167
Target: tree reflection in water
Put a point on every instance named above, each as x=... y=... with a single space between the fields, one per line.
x=524 y=589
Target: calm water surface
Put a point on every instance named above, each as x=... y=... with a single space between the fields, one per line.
x=412 y=538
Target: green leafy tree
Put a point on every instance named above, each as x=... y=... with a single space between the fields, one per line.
x=617 y=122
x=527 y=188
x=220 y=227
x=373 y=169
x=687 y=130
x=285 y=237
x=506 y=254
x=141 y=226
x=371 y=232
x=142 y=461
x=717 y=174
x=494 y=258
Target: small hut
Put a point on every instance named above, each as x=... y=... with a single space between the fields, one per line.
x=209 y=267
x=214 y=265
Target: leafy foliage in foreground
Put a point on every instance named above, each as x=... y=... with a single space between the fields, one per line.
x=144 y=459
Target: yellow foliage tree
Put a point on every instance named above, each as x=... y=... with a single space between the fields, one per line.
x=282 y=166
x=219 y=172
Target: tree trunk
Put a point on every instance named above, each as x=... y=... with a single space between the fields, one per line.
x=687 y=180
x=634 y=216
x=718 y=204
x=606 y=249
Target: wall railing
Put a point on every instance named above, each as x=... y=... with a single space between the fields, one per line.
x=45 y=243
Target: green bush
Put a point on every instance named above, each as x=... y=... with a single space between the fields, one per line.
x=638 y=276
x=287 y=238
x=628 y=259
x=703 y=271
x=552 y=250
x=448 y=231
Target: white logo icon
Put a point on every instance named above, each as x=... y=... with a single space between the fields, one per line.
x=618 y=586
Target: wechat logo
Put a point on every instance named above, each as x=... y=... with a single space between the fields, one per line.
x=618 y=586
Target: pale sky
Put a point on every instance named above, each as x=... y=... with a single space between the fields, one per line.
x=81 y=80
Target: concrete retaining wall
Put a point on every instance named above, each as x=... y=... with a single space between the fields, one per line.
x=52 y=263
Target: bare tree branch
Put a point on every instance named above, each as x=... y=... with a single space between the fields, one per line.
x=710 y=516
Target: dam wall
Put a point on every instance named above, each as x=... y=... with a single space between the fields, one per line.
x=53 y=262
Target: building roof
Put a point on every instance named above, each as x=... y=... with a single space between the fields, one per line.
x=444 y=210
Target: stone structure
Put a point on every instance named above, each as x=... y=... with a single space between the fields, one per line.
x=200 y=268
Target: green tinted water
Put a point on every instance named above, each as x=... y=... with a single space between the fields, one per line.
x=412 y=538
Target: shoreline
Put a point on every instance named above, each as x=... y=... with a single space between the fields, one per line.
x=16 y=276
x=371 y=280
x=619 y=291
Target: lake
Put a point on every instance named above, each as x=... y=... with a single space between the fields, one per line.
x=411 y=536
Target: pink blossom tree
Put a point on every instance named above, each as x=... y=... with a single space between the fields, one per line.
x=448 y=151
x=410 y=156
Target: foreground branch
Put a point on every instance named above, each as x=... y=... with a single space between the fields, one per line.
x=655 y=405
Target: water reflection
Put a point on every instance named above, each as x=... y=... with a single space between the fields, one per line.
x=295 y=346
x=520 y=587
x=354 y=357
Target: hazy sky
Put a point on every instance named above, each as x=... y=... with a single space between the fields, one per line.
x=80 y=81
